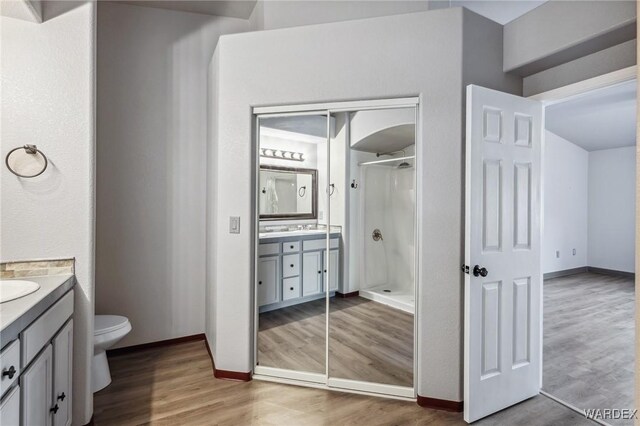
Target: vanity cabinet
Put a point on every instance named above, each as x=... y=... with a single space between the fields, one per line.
x=311 y=273
x=39 y=365
x=268 y=280
x=293 y=271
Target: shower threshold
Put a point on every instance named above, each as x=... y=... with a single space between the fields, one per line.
x=399 y=298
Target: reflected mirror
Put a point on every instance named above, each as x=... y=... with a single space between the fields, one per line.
x=287 y=193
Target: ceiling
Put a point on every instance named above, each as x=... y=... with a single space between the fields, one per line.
x=231 y=8
x=500 y=11
x=602 y=119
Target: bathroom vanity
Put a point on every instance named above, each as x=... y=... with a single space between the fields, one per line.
x=36 y=342
x=292 y=267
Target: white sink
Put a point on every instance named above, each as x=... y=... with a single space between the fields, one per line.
x=15 y=289
x=297 y=232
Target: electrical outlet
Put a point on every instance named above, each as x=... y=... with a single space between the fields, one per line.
x=574 y=252
x=234 y=224
x=558 y=254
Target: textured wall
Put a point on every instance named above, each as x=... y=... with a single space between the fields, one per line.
x=48 y=87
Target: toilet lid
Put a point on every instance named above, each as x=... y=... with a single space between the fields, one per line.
x=108 y=323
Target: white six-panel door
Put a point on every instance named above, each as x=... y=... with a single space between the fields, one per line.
x=502 y=353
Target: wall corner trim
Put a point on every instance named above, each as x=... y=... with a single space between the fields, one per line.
x=237 y=376
x=440 y=404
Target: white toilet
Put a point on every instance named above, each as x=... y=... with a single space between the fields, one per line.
x=108 y=330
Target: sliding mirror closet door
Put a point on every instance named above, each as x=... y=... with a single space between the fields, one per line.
x=373 y=211
x=289 y=292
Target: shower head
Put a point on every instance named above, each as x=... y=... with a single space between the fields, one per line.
x=404 y=165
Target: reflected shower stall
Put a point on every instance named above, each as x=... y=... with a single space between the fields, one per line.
x=387 y=232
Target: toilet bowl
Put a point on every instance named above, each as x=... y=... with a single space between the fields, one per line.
x=108 y=330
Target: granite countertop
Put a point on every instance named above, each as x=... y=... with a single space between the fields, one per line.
x=335 y=231
x=17 y=314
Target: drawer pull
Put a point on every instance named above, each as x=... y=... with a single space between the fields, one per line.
x=291 y=288
x=319 y=272
x=325 y=271
x=54 y=409
x=259 y=282
x=61 y=397
x=291 y=265
x=291 y=247
x=10 y=372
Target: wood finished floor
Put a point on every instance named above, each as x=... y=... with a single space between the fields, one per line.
x=588 y=340
x=174 y=385
x=368 y=341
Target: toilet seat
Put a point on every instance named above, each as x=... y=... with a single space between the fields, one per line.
x=109 y=323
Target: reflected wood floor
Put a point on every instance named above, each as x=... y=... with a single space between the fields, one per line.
x=368 y=341
x=588 y=357
x=174 y=385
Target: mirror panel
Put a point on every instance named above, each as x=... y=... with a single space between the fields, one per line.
x=290 y=296
x=371 y=318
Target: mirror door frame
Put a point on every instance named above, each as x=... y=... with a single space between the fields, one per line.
x=324 y=380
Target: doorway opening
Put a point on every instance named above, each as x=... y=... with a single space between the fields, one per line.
x=588 y=249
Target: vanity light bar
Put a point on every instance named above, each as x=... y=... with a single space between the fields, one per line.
x=281 y=154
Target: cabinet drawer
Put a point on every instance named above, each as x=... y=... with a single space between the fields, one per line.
x=320 y=244
x=291 y=247
x=9 y=365
x=290 y=265
x=290 y=288
x=268 y=249
x=42 y=330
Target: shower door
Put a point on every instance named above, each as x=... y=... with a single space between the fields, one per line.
x=372 y=202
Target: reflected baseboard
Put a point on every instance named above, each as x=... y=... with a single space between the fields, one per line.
x=351 y=294
x=440 y=404
x=169 y=342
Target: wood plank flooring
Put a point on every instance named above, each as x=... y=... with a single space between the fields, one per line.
x=588 y=341
x=175 y=386
x=368 y=341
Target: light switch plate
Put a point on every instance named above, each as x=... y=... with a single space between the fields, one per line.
x=234 y=224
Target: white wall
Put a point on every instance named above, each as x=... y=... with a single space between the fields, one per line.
x=273 y=14
x=565 y=177
x=428 y=49
x=612 y=209
x=152 y=124
x=48 y=99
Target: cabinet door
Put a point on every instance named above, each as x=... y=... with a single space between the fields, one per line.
x=268 y=280
x=10 y=408
x=334 y=272
x=311 y=273
x=62 y=366
x=36 y=385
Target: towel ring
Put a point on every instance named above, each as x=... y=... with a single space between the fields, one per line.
x=29 y=149
x=332 y=190
x=302 y=191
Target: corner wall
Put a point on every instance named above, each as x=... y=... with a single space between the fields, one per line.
x=48 y=99
x=152 y=167
x=566 y=188
x=419 y=54
x=611 y=209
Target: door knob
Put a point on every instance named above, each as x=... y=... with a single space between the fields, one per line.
x=10 y=372
x=478 y=271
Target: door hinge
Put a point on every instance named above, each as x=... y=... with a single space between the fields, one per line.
x=465 y=268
